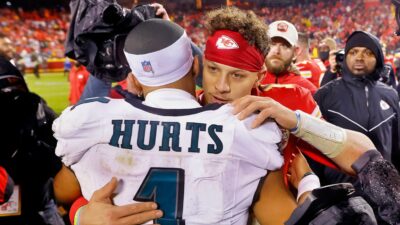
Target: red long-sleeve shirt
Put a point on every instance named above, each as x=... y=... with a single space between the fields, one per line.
x=78 y=77
x=289 y=78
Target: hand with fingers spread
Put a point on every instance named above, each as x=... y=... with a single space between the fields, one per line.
x=266 y=108
x=161 y=12
x=100 y=209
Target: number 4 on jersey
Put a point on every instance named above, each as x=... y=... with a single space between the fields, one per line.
x=166 y=187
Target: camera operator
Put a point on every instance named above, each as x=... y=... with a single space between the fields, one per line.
x=388 y=73
x=106 y=33
x=338 y=64
x=334 y=68
x=98 y=86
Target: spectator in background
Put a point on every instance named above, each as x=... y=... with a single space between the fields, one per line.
x=7 y=51
x=388 y=75
x=327 y=51
x=279 y=60
x=358 y=101
x=67 y=66
x=308 y=68
x=325 y=47
x=78 y=77
x=20 y=64
x=27 y=149
x=6 y=48
x=36 y=64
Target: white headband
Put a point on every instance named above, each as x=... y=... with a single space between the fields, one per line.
x=164 y=66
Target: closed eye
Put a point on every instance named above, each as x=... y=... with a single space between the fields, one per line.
x=237 y=75
x=212 y=68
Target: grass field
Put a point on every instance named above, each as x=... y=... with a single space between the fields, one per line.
x=53 y=87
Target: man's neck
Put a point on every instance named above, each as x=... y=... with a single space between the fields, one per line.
x=303 y=57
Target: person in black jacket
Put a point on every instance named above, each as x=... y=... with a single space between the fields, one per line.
x=27 y=149
x=358 y=101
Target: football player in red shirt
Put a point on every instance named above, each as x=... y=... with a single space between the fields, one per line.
x=279 y=60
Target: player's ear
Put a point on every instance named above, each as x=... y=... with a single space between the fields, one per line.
x=133 y=85
x=261 y=75
x=195 y=66
x=297 y=51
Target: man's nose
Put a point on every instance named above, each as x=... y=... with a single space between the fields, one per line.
x=275 y=50
x=222 y=84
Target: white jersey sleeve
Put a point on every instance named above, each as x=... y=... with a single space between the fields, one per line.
x=266 y=139
x=78 y=128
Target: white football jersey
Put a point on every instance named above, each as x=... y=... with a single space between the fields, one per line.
x=202 y=166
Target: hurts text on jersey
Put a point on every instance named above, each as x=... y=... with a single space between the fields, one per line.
x=167 y=135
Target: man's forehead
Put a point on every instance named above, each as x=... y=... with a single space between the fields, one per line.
x=323 y=47
x=357 y=48
x=281 y=40
x=323 y=44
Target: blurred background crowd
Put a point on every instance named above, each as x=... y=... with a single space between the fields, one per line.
x=38 y=32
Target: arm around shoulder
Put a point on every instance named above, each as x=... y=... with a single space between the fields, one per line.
x=276 y=202
x=66 y=186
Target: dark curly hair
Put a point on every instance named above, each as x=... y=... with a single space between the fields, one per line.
x=252 y=28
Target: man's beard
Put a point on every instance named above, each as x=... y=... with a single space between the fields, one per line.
x=278 y=69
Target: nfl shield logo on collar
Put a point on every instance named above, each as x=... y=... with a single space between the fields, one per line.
x=147 y=66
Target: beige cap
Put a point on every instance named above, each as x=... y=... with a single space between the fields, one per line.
x=285 y=30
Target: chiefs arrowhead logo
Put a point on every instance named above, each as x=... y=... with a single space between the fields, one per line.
x=282 y=27
x=384 y=105
x=225 y=42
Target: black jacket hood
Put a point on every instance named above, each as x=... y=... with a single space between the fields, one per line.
x=365 y=39
x=11 y=78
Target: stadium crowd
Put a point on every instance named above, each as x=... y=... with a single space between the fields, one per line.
x=43 y=31
x=319 y=20
x=258 y=65
x=38 y=33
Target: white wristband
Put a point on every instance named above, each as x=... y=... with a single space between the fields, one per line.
x=307 y=183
